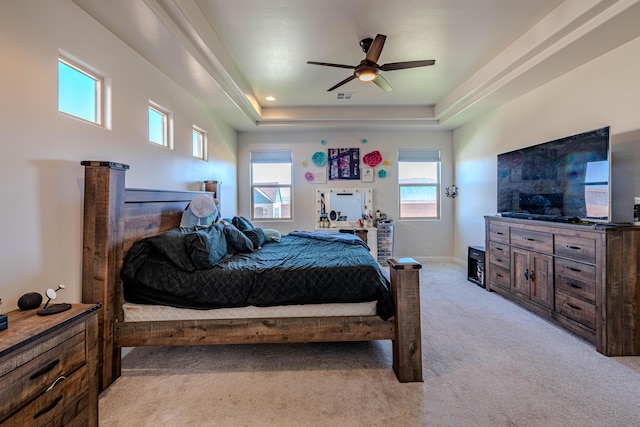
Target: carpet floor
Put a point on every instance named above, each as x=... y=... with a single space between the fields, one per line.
x=486 y=362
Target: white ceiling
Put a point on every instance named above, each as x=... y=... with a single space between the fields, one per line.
x=233 y=53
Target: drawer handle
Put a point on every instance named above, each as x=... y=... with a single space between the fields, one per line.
x=574 y=269
x=575 y=307
x=499 y=260
x=46 y=368
x=573 y=285
x=499 y=249
x=55 y=383
x=499 y=233
x=499 y=275
x=48 y=408
x=529 y=239
x=574 y=247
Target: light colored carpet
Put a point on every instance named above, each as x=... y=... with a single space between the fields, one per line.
x=486 y=361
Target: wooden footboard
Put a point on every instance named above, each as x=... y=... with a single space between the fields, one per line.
x=115 y=217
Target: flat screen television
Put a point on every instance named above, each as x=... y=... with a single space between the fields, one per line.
x=563 y=180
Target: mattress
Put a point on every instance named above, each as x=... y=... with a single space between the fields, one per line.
x=145 y=312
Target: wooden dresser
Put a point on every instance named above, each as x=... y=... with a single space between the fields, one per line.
x=48 y=368
x=583 y=277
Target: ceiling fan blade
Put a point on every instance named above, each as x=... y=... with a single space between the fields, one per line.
x=407 y=64
x=347 y=80
x=327 y=64
x=376 y=48
x=382 y=83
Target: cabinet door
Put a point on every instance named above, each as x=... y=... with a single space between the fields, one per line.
x=520 y=270
x=541 y=279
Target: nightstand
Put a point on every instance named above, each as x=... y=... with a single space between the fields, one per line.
x=48 y=368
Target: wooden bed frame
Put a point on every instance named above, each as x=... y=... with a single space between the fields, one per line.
x=115 y=217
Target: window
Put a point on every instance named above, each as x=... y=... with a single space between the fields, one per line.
x=199 y=141
x=160 y=126
x=419 y=184
x=271 y=190
x=80 y=92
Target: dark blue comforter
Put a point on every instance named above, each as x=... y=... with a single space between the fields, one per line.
x=303 y=268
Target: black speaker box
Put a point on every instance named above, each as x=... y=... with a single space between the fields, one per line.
x=29 y=301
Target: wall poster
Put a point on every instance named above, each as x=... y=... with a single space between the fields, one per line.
x=344 y=163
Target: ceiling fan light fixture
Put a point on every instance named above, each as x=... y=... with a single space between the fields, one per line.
x=367 y=74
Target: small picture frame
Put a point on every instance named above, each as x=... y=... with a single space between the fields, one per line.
x=366 y=174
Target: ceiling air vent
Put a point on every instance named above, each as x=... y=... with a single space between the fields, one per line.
x=344 y=96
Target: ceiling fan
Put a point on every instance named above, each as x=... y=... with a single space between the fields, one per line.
x=368 y=69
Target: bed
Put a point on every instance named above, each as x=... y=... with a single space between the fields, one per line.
x=116 y=217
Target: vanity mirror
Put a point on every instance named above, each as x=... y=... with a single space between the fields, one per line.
x=343 y=206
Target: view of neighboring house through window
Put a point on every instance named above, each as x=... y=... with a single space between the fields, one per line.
x=199 y=140
x=80 y=92
x=271 y=191
x=419 y=184
x=160 y=126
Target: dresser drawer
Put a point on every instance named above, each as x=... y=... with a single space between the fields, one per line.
x=578 y=248
x=500 y=250
x=52 y=406
x=29 y=379
x=500 y=276
x=576 y=279
x=534 y=240
x=576 y=309
x=500 y=260
x=74 y=415
x=499 y=233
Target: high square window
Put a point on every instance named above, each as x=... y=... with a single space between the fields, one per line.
x=160 y=126
x=80 y=92
x=199 y=141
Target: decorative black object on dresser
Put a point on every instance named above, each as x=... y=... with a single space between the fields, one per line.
x=48 y=368
x=584 y=276
x=475 y=265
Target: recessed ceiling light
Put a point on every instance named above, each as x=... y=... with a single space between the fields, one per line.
x=270 y=98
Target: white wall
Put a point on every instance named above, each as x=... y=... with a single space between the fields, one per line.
x=604 y=92
x=41 y=178
x=418 y=239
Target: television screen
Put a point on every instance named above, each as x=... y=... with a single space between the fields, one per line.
x=557 y=180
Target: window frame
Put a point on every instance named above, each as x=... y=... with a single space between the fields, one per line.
x=204 y=155
x=276 y=156
x=421 y=156
x=99 y=91
x=167 y=126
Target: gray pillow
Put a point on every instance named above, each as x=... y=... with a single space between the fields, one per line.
x=272 y=235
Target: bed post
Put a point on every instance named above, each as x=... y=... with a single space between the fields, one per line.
x=101 y=254
x=407 y=347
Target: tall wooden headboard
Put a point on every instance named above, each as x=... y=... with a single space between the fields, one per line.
x=114 y=218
